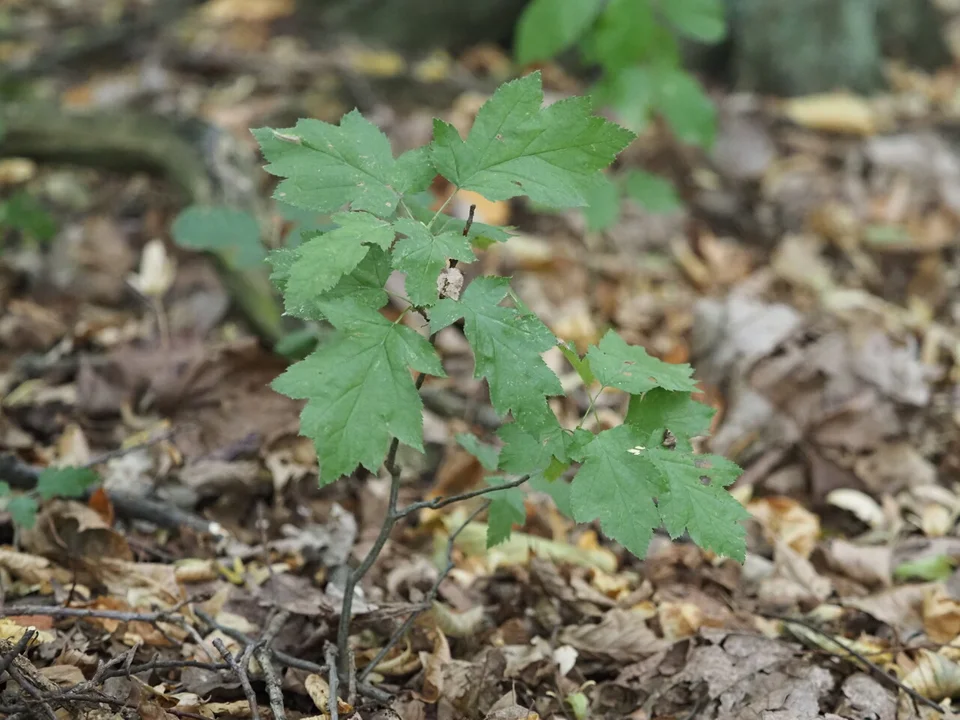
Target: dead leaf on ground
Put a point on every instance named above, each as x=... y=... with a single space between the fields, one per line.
x=621 y=636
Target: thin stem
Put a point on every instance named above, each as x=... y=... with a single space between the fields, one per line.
x=353 y=579
x=591 y=408
x=428 y=601
x=437 y=503
x=442 y=208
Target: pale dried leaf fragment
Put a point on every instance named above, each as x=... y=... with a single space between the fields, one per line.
x=869 y=565
x=838 y=112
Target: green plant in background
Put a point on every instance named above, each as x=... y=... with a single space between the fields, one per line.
x=637 y=45
x=23 y=213
x=362 y=398
x=64 y=482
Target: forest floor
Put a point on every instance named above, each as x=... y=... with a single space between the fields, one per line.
x=811 y=274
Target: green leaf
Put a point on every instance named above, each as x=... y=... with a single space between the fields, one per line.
x=617 y=489
x=298 y=344
x=506 y=347
x=686 y=106
x=67 y=482
x=232 y=234
x=506 y=509
x=698 y=19
x=632 y=92
x=323 y=260
x=547 y=27
x=708 y=513
x=480 y=234
x=4 y=488
x=25 y=213
x=581 y=365
x=630 y=368
x=932 y=568
x=654 y=193
x=415 y=171
x=488 y=455
x=516 y=148
x=23 y=510
x=603 y=204
x=421 y=256
x=359 y=389
x=327 y=166
x=364 y=285
x=658 y=410
x=624 y=34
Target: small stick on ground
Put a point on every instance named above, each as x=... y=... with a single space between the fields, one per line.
x=240 y=670
x=281 y=657
x=21 y=645
x=30 y=690
x=876 y=669
x=270 y=676
x=428 y=601
x=330 y=655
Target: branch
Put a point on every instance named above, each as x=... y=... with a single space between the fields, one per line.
x=270 y=677
x=876 y=669
x=437 y=503
x=330 y=655
x=240 y=670
x=62 y=612
x=428 y=601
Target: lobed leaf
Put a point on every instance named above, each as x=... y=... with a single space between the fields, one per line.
x=326 y=167
x=707 y=512
x=516 y=148
x=506 y=347
x=359 y=390
x=658 y=410
x=612 y=486
x=323 y=260
x=630 y=368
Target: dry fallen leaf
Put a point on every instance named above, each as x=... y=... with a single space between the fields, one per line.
x=833 y=112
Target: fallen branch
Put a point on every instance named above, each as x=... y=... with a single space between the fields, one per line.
x=330 y=655
x=240 y=670
x=874 y=668
x=263 y=651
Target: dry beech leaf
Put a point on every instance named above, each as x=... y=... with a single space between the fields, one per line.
x=941 y=615
x=433 y=664
x=319 y=691
x=13 y=628
x=869 y=565
x=859 y=504
x=794 y=579
x=935 y=677
x=66 y=675
x=786 y=520
x=620 y=636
